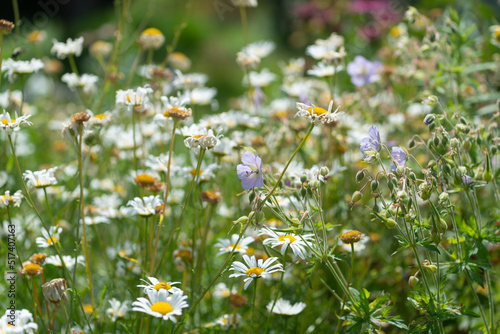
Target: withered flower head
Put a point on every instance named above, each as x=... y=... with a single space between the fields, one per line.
x=55 y=292
x=6 y=26
x=31 y=269
x=38 y=258
x=351 y=237
x=144 y=180
x=80 y=117
x=157 y=187
x=178 y=112
x=210 y=196
x=238 y=300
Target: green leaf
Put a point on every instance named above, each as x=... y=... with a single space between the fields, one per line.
x=480 y=67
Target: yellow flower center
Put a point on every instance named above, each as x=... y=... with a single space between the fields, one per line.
x=88 y=308
x=193 y=171
x=152 y=31
x=162 y=307
x=100 y=116
x=497 y=34
x=290 y=238
x=6 y=121
x=32 y=269
x=230 y=247
x=145 y=179
x=199 y=136
x=5 y=198
x=395 y=32
x=317 y=111
x=52 y=240
x=255 y=270
x=162 y=285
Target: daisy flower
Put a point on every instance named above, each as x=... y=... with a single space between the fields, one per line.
x=117 y=310
x=322 y=70
x=10 y=124
x=175 y=107
x=87 y=82
x=155 y=284
x=20 y=67
x=284 y=307
x=189 y=81
x=134 y=99
x=245 y=3
x=255 y=268
x=22 y=322
x=353 y=237
x=161 y=304
x=285 y=240
x=260 y=49
x=317 y=115
x=227 y=245
x=200 y=137
x=221 y=290
x=495 y=35
x=260 y=79
x=151 y=38
x=147 y=206
x=10 y=200
x=70 y=48
x=40 y=179
x=229 y=321
x=69 y=261
x=49 y=239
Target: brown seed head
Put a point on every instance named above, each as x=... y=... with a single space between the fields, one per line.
x=210 y=196
x=80 y=117
x=6 y=26
x=55 y=291
x=351 y=237
x=238 y=300
x=38 y=258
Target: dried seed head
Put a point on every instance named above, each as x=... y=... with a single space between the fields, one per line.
x=238 y=300
x=210 y=196
x=6 y=26
x=80 y=117
x=55 y=292
x=31 y=269
x=144 y=180
x=351 y=237
x=178 y=113
x=38 y=258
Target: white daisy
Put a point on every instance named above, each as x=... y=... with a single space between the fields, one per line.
x=161 y=304
x=10 y=124
x=70 y=48
x=117 y=310
x=322 y=70
x=146 y=206
x=69 y=261
x=199 y=137
x=14 y=68
x=221 y=291
x=151 y=38
x=227 y=245
x=260 y=49
x=317 y=115
x=285 y=307
x=133 y=98
x=247 y=60
x=175 y=107
x=189 y=81
x=40 y=179
x=229 y=321
x=22 y=322
x=201 y=95
x=87 y=82
x=155 y=284
x=10 y=200
x=329 y=49
x=49 y=239
x=255 y=268
x=296 y=243
x=261 y=79
x=245 y=3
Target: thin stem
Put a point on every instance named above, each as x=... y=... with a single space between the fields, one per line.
x=15 y=5
x=478 y=302
x=244 y=24
x=278 y=292
x=48 y=204
x=72 y=63
x=1 y=54
x=253 y=304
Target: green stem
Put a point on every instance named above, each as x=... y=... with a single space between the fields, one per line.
x=15 y=5
x=72 y=63
x=253 y=304
x=478 y=302
x=278 y=292
x=1 y=55
x=244 y=24
x=48 y=205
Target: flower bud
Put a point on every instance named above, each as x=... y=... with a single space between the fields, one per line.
x=413 y=176
x=360 y=175
x=436 y=237
x=444 y=198
x=295 y=222
x=303 y=192
x=430 y=268
x=314 y=184
x=436 y=141
x=403 y=196
x=251 y=196
x=390 y=223
x=431 y=100
x=425 y=191
x=374 y=185
x=462 y=170
x=357 y=196
x=324 y=171
x=443 y=226
x=303 y=178
x=411 y=143
x=400 y=170
x=466 y=145
x=242 y=219
x=455 y=143
x=413 y=281
x=429 y=119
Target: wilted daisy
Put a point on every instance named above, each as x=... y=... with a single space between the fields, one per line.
x=11 y=200
x=134 y=99
x=284 y=307
x=49 y=238
x=161 y=304
x=10 y=124
x=175 y=107
x=295 y=242
x=70 y=48
x=317 y=115
x=118 y=309
x=69 y=261
x=87 y=82
x=199 y=137
x=20 y=67
x=227 y=245
x=348 y=238
x=40 y=179
x=19 y=322
x=155 y=284
x=255 y=268
x=6 y=27
x=146 y=206
x=151 y=38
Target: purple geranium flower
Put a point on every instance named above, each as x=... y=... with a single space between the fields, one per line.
x=467 y=180
x=250 y=171
x=370 y=145
x=398 y=156
x=363 y=71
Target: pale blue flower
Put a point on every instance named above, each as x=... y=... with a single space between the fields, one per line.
x=250 y=171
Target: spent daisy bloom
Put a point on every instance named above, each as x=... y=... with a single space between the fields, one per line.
x=17 y=322
x=14 y=68
x=355 y=238
x=118 y=309
x=155 y=284
x=495 y=35
x=260 y=49
x=10 y=200
x=297 y=243
x=13 y=124
x=133 y=99
x=70 y=48
x=151 y=38
x=69 y=261
x=227 y=245
x=398 y=157
x=6 y=27
x=200 y=137
x=87 y=82
x=317 y=115
x=175 y=107
x=40 y=179
x=250 y=171
x=363 y=71
x=50 y=238
x=161 y=304
x=370 y=145
x=284 y=307
x=255 y=268
x=147 y=206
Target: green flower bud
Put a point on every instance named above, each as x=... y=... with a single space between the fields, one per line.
x=314 y=184
x=445 y=140
x=436 y=237
x=425 y=190
x=432 y=126
x=413 y=281
x=241 y=220
x=251 y=196
x=303 y=192
x=403 y=196
x=436 y=141
x=431 y=100
x=430 y=268
x=487 y=176
x=443 y=226
x=324 y=171
x=303 y=178
x=444 y=198
x=295 y=222
x=374 y=185
x=400 y=170
x=360 y=176
x=462 y=170
x=390 y=223
x=356 y=196
x=494 y=150
x=455 y=143
x=463 y=121
x=411 y=143
x=413 y=176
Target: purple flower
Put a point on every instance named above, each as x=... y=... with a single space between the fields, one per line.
x=363 y=71
x=370 y=145
x=398 y=156
x=467 y=180
x=250 y=171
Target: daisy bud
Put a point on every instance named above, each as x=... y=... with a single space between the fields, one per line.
x=55 y=292
x=413 y=281
x=351 y=237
